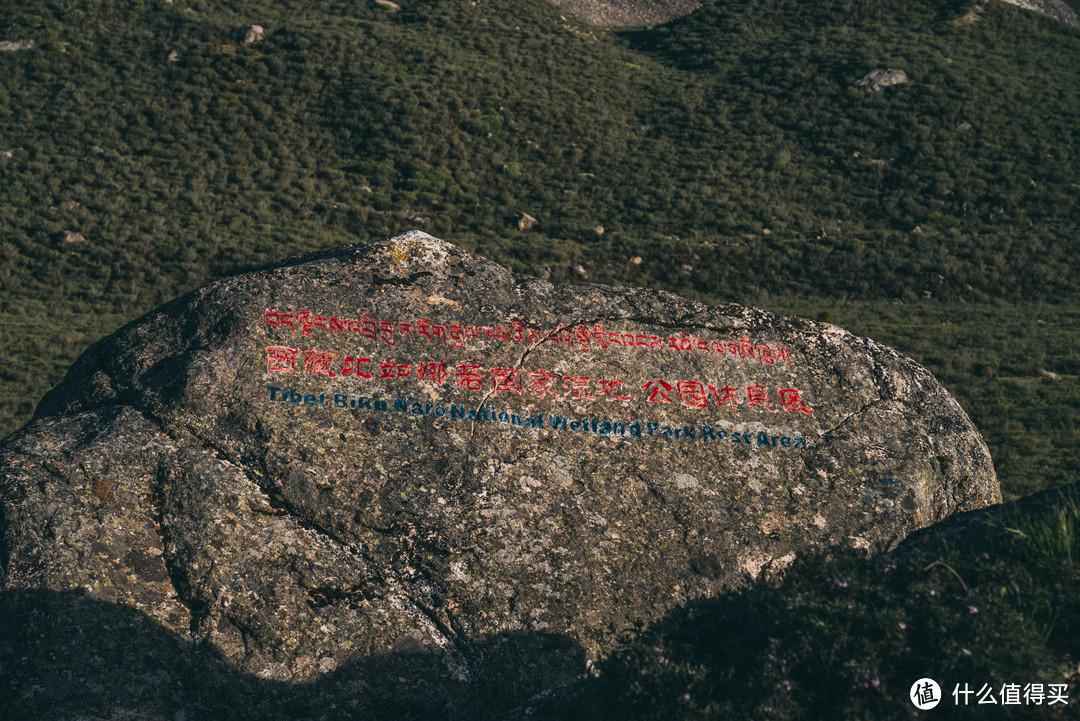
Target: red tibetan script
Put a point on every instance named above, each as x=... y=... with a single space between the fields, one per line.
x=583 y=338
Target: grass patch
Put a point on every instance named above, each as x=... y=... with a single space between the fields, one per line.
x=730 y=151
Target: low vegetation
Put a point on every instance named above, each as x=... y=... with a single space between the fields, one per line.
x=731 y=154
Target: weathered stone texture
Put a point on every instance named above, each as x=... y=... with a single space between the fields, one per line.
x=1056 y=9
x=883 y=78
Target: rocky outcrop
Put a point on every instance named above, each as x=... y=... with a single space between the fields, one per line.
x=249 y=34
x=8 y=46
x=635 y=13
x=629 y=13
x=70 y=236
x=883 y=78
x=396 y=466
x=525 y=222
x=1056 y=9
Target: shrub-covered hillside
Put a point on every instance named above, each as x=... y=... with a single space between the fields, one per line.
x=729 y=155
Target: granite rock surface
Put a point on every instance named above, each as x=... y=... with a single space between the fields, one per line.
x=409 y=478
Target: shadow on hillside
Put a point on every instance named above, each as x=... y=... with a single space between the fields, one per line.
x=64 y=656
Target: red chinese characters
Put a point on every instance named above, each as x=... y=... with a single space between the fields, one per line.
x=610 y=387
x=390 y=368
x=317 y=363
x=579 y=387
x=470 y=377
x=729 y=396
x=352 y=365
x=758 y=396
x=695 y=394
x=656 y=390
x=506 y=380
x=789 y=400
x=540 y=383
x=692 y=394
x=433 y=372
x=280 y=359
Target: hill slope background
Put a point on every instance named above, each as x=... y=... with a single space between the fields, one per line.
x=728 y=156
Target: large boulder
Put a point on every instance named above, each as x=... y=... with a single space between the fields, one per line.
x=400 y=451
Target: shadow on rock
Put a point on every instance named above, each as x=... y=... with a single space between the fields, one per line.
x=64 y=655
x=983 y=600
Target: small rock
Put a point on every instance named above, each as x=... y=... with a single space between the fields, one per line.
x=973 y=15
x=599 y=230
x=10 y=153
x=1049 y=375
x=963 y=127
x=525 y=222
x=173 y=57
x=249 y=34
x=580 y=270
x=636 y=260
x=882 y=78
x=391 y=6
x=8 y=46
x=70 y=236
